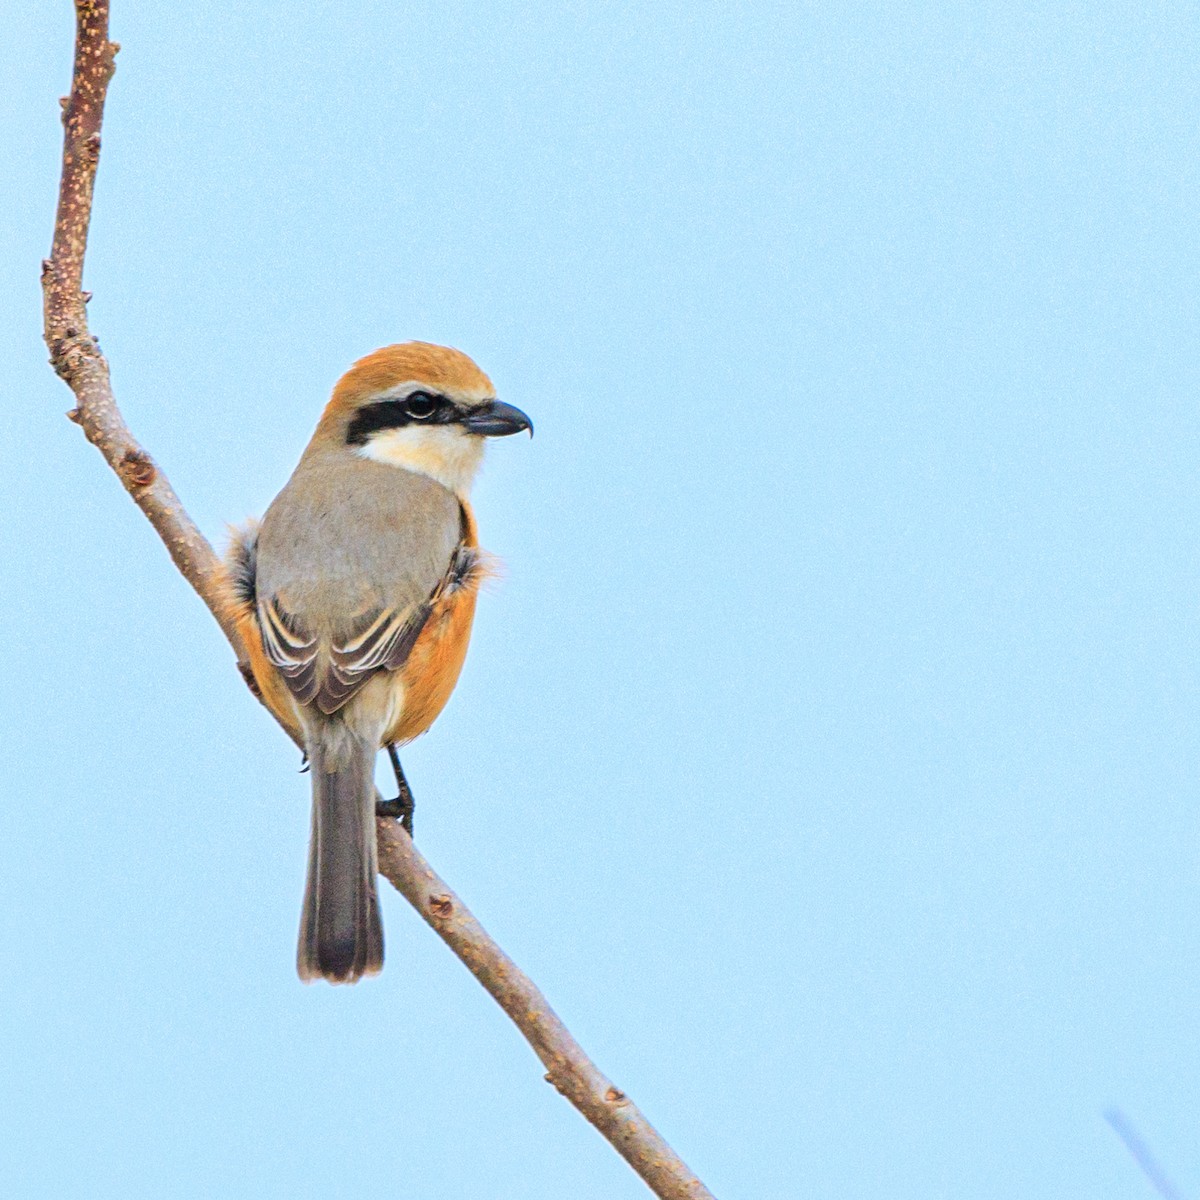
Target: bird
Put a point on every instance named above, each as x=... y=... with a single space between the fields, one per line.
x=354 y=596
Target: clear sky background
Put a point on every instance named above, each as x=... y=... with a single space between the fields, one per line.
x=828 y=753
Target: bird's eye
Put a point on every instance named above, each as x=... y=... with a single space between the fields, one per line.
x=421 y=406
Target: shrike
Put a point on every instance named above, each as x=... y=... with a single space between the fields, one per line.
x=355 y=596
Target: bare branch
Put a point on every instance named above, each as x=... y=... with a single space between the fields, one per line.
x=568 y=1068
x=1140 y=1153
x=75 y=355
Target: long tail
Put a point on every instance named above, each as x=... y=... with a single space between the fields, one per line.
x=341 y=935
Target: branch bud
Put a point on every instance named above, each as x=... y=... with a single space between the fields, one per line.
x=136 y=469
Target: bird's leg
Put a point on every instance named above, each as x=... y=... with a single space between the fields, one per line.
x=404 y=805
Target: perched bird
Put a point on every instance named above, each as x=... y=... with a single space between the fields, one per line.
x=355 y=596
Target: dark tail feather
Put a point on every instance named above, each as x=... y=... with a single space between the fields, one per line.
x=341 y=936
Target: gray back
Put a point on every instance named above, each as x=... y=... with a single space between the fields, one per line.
x=349 y=536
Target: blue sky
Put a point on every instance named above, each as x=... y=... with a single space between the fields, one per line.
x=828 y=751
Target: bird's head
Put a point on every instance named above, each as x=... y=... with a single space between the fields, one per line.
x=425 y=408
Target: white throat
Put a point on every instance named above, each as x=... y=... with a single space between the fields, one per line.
x=446 y=453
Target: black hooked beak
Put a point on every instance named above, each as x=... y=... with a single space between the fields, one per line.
x=496 y=419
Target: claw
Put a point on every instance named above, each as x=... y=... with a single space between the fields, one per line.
x=400 y=808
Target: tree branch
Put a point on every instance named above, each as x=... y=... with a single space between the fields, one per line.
x=75 y=355
x=1140 y=1153
x=568 y=1068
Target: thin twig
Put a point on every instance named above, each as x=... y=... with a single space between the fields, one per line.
x=75 y=355
x=568 y=1068
x=1140 y=1153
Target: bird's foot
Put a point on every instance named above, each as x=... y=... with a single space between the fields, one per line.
x=401 y=808
x=404 y=805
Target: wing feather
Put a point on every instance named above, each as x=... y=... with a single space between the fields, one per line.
x=293 y=655
x=382 y=642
